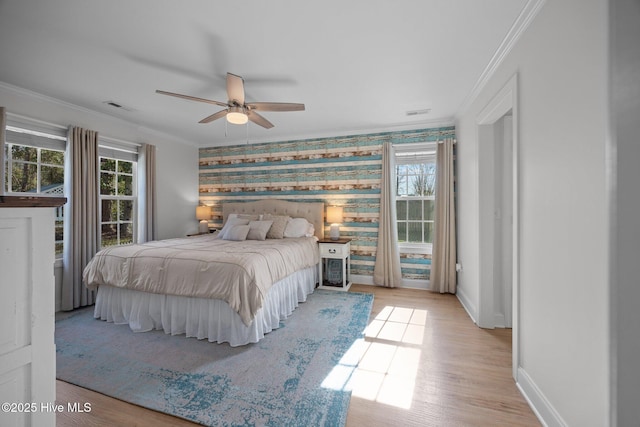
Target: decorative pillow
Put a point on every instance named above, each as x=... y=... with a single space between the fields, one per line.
x=311 y=231
x=277 y=228
x=297 y=227
x=231 y=221
x=258 y=230
x=237 y=233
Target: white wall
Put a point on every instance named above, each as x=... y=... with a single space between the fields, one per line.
x=561 y=63
x=177 y=161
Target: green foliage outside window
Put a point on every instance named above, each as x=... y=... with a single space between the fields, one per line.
x=117 y=201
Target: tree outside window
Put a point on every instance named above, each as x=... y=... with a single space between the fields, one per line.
x=36 y=170
x=415 y=198
x=118 y=201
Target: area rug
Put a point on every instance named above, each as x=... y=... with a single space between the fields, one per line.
x=279 y=381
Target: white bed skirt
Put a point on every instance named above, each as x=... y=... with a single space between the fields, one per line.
x=204 y=318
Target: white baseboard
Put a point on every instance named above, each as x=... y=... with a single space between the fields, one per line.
x=540 y=405
x=469 y=307
x=406 y=283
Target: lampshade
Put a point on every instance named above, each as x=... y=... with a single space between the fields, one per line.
x=237 y=116
x=203 y=213
x=334 y=214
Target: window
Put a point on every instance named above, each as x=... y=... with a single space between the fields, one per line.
x=118 y=198
x=415 y=196
x=35 y=165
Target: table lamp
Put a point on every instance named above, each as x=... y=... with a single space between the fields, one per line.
x=334 y=217
x=203 y=213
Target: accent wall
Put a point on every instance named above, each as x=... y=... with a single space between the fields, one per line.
x=344 y=171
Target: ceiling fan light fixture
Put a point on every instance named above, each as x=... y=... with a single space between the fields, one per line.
x=237 y=116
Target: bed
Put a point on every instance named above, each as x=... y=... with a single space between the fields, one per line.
x=220 y=286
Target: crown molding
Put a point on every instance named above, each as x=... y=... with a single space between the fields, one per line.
x=522 y=22
x=38 y=97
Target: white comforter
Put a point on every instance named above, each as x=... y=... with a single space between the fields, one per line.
x=239 y=273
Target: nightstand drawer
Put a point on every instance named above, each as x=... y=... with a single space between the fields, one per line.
x=330 y=250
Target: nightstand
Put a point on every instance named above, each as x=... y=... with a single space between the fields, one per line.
x=335 y=261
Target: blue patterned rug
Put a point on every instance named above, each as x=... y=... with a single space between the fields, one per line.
x=280 y=381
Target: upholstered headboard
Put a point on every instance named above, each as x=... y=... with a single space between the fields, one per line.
x=312 y=211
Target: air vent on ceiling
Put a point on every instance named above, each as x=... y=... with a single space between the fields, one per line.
x=117 y=105
x=418 y=112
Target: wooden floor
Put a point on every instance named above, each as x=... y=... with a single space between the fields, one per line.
x=423 y=363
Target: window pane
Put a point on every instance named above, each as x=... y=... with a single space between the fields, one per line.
x=108 y=183
x=126 y=233
x=402 y=232
x=125 y=167
x=24 y=177
x=51 y=179
x=413 y=186
x=414 y=231
x=28 y=154
x=415 y=209
x=109 y=211
x=126 y=210
x=125 y=185
x=109 y=235
x=429 y=209
x=52 y=157
x=59 y=235
x=401 y=210
x=107 y=164
x=428 y=232
x=401 y=185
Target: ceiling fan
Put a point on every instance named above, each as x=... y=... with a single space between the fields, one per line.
x=236 y=110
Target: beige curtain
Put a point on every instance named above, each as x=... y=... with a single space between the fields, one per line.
x=3 y=124
x=386 y=271
x=82 y=227
x=147 y=226
x=443 y=262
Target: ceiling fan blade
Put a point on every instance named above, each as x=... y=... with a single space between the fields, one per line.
x=275 y=106
x=235 y=89
x=259 y=120
x=192 y=98
x=214 y=116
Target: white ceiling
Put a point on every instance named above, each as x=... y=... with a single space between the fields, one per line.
x=357 y=65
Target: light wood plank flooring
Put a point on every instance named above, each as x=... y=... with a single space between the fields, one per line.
x=423 y=363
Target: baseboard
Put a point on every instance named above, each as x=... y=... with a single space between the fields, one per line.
x=469 y=307
x=406 y=283
x=540 y=405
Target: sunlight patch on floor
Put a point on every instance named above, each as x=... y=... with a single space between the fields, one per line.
x=383 y=366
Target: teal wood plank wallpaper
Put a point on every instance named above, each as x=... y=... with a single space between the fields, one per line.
x=343 y=171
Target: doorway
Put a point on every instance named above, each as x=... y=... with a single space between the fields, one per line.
x=498 y=214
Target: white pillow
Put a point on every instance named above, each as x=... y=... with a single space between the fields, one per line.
x=297 y=227
x=231 y=221
x=258 y=230
x=237 y=233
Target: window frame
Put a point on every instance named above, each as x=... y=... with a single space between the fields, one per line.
x=111 y=154
x=413 y=153
x=40 y=136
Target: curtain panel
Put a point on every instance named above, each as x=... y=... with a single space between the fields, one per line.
x=147 y=202
x=387 y=271
x=81 y=226
x=443 y=262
